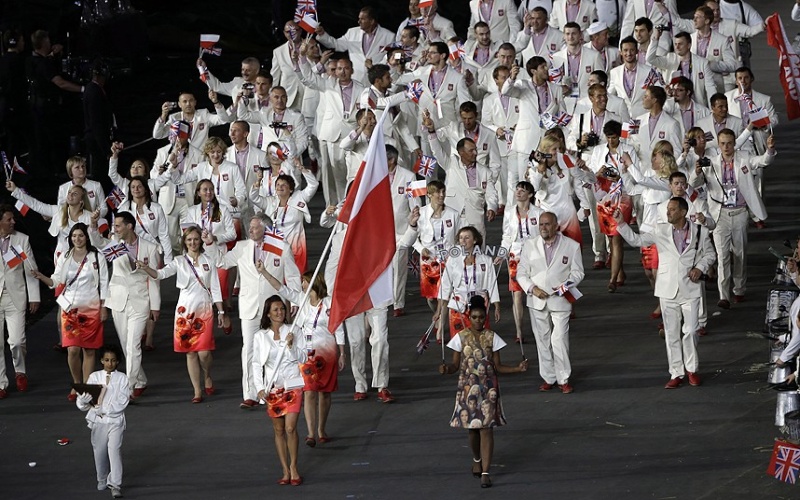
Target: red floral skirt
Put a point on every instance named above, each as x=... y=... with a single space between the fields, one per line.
x=280 y=402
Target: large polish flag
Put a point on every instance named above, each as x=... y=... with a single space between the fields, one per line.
x=364 y=277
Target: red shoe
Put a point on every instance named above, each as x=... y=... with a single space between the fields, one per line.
x=283 y=482
x=599 y=264
x=673 y=383
x=546 y=387
x=248 y=404
x=228 y=330
x=694 y=379
x=398 y=312
x=72 y=397
x=210 y=390
x=196 y=400
x=137 y=392
x=359 y=396
x=235 y=291
x=296 y=482
x=22 y=382
x=325 y=439
x=3 y=394
x=738 y=299
x=566 y=388
x=724 y=304
x=385 y=396
x=655 y=315
x=760 y=224
x=311 y=442
x=702 y=331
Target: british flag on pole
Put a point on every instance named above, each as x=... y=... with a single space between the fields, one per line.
x=115 y=197
x=305 y=7
x=425 y=165
x=115 y=251
x=785 y=462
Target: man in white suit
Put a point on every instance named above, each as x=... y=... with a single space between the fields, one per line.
x=336 y=117
x=572 y=11
x=278 y=123
x=377 y=98
x=132 y=295
x=577 y=61
x=637 y=9
x=250 y=69
x=248 y=158
x=175 y=199
x=685 y=254
x=683 y=62
x=654 y=126
x=546 y=263
x=500 y=113
x=470 y=188
x=255 y=289
x=739 y=105
x=366 y=42
x=432 y=26
x=282 y=71
x=199 y=120
x=682 y=107
x=545 y=40
x=732 y=191
x=19 y=291
x=598 y=40
x=500 y=15
x=720 y=119
x=402 y=205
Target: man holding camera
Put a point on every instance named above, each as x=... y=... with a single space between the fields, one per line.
x=586 y=132
x=729 y=178
x=199 y=120
x=682 y=62
x=685 y=254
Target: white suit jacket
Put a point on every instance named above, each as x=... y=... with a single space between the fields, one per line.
x=351 y=42
x=295 y=136
x=672 y=281
x=452 y=92
x=589 y=61
x=702 y=77
x=504 y=23
x=442 y=25
x=402 y=204
x=127 y=285
x=552 y=43
x=202 y=121
x=459 y=194
x=488 y=151
x=528 y=131
x=254 y=288
x=638 y=8
x=533 y=270
x=586 y=14
x=494 y=116
x=16 y=281
x=616 y=86
x=747 y=168
x=166 y=194
x=256 y=158
x=283 y=75
x=667 y=129
x=698 y=111
x=395 y=128
x=707 y=124
x=94 y=190
x=574 y=129
x=761 y=101
x=332 y=121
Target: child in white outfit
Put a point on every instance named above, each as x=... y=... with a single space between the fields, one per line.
x=107 y=419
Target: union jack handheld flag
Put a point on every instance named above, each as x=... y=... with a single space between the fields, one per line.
x=113 y=252
x=115 y=197
x=414 y=91
x=425 y=166
x=785 y=462
x=569 y=291
x=653 y=78
x=425 y=340
x=457 y=51
x=305 y=7
x=556 y=75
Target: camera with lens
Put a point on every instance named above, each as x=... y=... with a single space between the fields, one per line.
x=538 y=156
x=664 y=27
x=247 y=89
x=592 y=140
x=400 y=57
x=691 y=142
x=610 y=172
x=704 y=162
x=278 y=125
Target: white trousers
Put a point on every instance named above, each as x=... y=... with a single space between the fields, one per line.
x=730 y=237
x=400 y=273
x=174 y=218
x=379 y=341
x=598 y=238
x=249 y=329
x=681 y=352
x=130 y=325
x=551 y=330
x=107 y=447
x=333 y=172
x=15 y=320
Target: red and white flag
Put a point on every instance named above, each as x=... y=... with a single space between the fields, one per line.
x=207 y=45
x=364 y=278
x=789 y=63
x=759 y=118
x=630 y=128
x=416 y=189
x=23 y=208
x=308 y=22
x=273 y=241
x=14 y=256
x=18 y=168
x=424 y=4
x=569 y=291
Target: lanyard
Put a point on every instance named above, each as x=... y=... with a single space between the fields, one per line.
x=80 y=267
x=474 y=276
x=205 y=217
x=189 y=261
x=283 y=217
x=139 y=220
x=527 y=232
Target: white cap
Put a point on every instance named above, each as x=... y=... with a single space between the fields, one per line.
x=596 y=27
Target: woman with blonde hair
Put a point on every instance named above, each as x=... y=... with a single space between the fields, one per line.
x=76 y=171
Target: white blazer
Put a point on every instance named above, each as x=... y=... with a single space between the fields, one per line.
x=586 y=14
x=616 y=86
x=503 y=23
x=351 y=42
x=589 y=61
x=638 y=8
x=200 y=123
x=167 y=192
x=672 y=281
x=552 y=42
x=402 y=205
x=283 y=75
x=16 y=281
x=494 y=116
x=295 y=135
x=702 y=77
x=332 y=120
x=533 y=270
x=97 y=198
x=667 y=129
x=128 y=285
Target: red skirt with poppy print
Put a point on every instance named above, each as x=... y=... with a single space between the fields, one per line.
x=430 y=273
x=81 y=327
x=194 y=327
x=282 y=402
